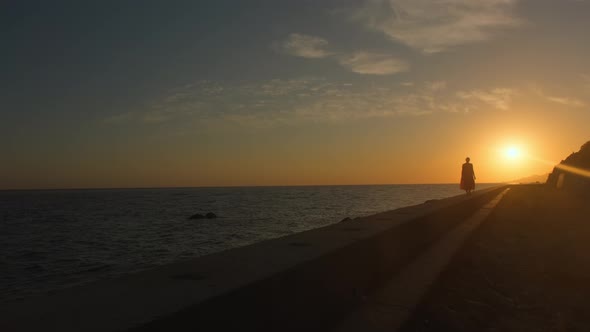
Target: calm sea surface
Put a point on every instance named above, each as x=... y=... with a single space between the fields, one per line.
x=59 y=238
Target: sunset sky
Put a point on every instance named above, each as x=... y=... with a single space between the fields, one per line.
x=280 y=92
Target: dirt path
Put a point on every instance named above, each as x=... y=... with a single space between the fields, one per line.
x=527 y=268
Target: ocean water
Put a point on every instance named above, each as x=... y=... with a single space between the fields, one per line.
x=53 y=239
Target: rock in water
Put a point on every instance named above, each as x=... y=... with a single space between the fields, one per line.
x=346 y=219
x=211 y=215
x=197 y=216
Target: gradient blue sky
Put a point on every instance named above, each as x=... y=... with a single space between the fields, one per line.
x=197 y=93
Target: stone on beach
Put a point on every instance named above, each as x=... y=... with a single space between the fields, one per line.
x=209 y=215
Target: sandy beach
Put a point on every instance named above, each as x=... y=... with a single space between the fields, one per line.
x=525 y=269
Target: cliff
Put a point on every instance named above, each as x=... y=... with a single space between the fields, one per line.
x=573 y=173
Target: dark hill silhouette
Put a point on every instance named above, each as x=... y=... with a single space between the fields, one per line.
x=565 y=178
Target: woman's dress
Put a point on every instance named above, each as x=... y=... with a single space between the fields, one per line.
x=467 y=178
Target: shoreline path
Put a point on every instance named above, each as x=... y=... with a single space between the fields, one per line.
x=526 y=268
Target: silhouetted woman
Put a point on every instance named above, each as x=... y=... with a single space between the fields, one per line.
x=467 y=177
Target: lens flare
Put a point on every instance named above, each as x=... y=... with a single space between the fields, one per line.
x=567 y=168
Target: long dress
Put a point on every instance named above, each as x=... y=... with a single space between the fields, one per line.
x=467 y=177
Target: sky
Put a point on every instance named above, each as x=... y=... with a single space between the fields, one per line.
x=103 y=94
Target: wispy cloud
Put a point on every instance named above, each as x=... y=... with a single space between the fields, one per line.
x=277 y=102
x=562 y=100
x=305 y=46
x=572 y=102
x=380 y=102
x=374 y=63
x=361 y=62
x=499 y=98
x=435 y=25
x=118 y=118
x=436 y=85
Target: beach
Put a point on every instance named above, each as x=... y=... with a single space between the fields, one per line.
x=510 y=258
x=57 y=239
x=310 y=280
x=525 y=269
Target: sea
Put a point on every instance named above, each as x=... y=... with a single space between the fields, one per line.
x=54 y=239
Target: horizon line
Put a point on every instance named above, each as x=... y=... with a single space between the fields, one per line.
x=239 y=186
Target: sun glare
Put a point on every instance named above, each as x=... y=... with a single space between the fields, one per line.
x=512 y=153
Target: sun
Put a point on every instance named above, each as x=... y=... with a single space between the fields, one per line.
x=512 y=153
